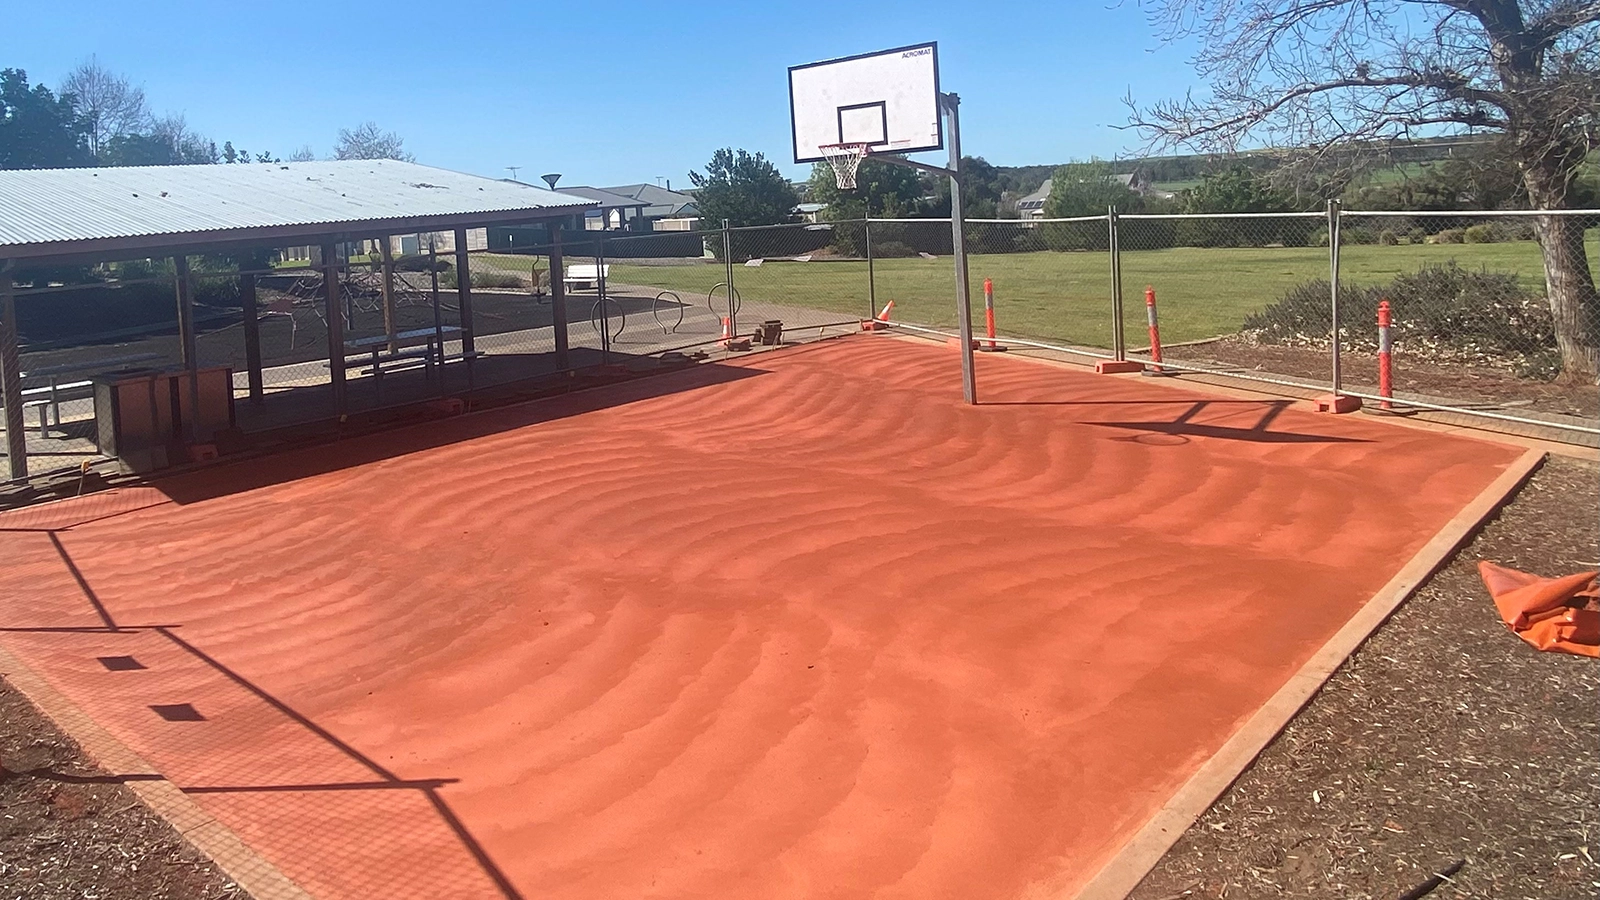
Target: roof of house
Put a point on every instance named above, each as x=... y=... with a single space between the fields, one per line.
x=1036 y=199
x=606 y=198
x=100 y=211
x=663 y=203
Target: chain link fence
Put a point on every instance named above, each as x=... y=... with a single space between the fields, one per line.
x=1246 y=296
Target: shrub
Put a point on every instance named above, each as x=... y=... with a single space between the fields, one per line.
x=496 y=280
x=892 y=250
x=1480 y=234
x=1440 y=311
x=1448 y=236
x=1357 y=234
x=1388 y=238
x=1416 y=236
x=418 y=262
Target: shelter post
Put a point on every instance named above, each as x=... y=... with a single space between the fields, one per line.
x=184 y=288
x=388 y=294
x=464 y=299
x=11 y=377
x=252 y=335
x=335 y=316
x=958 y=236
x=558 y=299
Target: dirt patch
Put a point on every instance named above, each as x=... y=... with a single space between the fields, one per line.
x=1443 y=738
x=1456 y=381
x=68 y=830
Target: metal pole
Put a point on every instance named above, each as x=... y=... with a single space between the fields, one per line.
x=969 y=386
x=252 y=336
x=1333 y=283
x=600 y=288
x=438 y=317
x=1119 y=348
x=727 y=265
x=388 y=294
x=186 y=341
x=330 y=284
x=558 y=298
x=464 y=301
x=11 y=377
x=872 y=280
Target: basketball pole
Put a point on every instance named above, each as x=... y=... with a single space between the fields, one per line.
x=958 y=235
x=951 y=104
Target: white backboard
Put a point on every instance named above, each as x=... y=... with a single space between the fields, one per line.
x=888 y=100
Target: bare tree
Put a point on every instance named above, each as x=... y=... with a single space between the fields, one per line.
x=368 y=141
x=1340 y=76
x=304 y=154
x=113 y=106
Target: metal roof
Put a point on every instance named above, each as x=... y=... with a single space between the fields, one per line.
x=606 y=199
x=46 y=212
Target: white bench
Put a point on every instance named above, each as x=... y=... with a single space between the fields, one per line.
x=585 y=276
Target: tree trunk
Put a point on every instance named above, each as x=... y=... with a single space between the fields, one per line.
x=1569 y=284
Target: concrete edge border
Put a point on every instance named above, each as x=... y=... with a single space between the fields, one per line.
x=1140 y=854
x=248 y=869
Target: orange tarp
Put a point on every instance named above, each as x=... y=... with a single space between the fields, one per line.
x=1549 y=613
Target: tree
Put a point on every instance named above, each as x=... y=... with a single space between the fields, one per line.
x=882 y=189
x=304 y=154
x=1087 y=189
x=39 y=130
x=1338 y=76
x=110 y=105
x=1235 y=189
x=981 y=190
x=182 y=146
x=368 y=141
x=744 y=188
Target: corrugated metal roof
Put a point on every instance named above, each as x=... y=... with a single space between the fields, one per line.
x=54 y=206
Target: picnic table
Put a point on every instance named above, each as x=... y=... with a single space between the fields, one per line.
x=62 y=387
x=423 y=346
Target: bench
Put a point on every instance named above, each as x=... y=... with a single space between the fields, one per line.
x=49 y=399
x=417 y=347
x=585 y=276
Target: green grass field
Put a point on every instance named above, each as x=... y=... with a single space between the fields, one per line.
x=1065 y=296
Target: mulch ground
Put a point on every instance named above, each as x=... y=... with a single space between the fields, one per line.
x=67 y=831
x=1467 y=383
x=1443 y=739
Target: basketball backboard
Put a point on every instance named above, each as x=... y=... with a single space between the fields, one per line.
x=888 y=100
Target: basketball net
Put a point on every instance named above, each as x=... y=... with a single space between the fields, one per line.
x=844 y=158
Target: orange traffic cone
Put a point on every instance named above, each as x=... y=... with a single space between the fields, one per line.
x=727 y=335
x=880 y=321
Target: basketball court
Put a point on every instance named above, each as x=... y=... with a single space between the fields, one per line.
x=801 y=624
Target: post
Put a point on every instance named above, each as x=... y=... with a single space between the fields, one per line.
x=969 y=386
x=872 y=280
x=988 y=314
x=1119 y=343
x=727 y=265
x=252 y=336
x=388 y=295
x=1333 y=289
x=464 y=300
x=1385 y=363
x=558 y=298
x=335 y=317
x=184 y=289
x=600 y=290
x=436 y=356
x=1155 y=331
x=11 y=377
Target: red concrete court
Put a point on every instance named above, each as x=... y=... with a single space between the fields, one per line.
x=798 y=626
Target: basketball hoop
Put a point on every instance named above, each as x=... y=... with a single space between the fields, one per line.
x=844 y=158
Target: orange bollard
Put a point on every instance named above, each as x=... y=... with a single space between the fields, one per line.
x=1155 y=332
x=988 y=318
x=1385 y=370
x=727 y=334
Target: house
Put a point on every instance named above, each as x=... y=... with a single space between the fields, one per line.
x=615 y=212
x=668 y=210
x=1032 y=205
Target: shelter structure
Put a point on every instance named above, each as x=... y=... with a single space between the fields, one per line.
x=54 y=218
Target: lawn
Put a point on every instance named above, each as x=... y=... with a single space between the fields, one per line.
x=1065 y=295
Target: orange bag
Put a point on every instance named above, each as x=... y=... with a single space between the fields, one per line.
x=1549 y=613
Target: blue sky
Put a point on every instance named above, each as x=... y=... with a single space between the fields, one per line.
x=605 y=93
